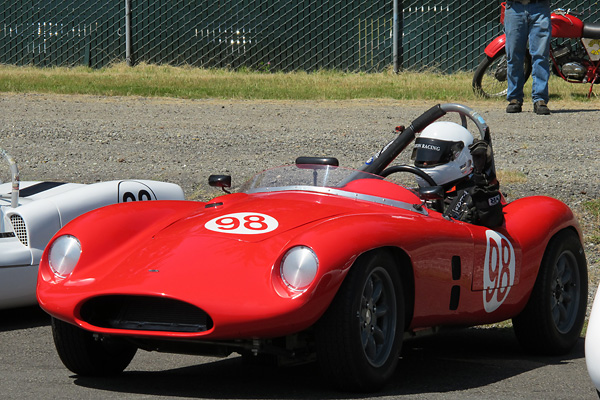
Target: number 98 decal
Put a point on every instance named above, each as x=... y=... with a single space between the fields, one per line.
x=245 y=223
x=499 y=270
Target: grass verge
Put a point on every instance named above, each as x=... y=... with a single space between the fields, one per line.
x=194 y=83
x=593 y=207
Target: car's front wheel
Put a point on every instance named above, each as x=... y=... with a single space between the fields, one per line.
x=86 y=355
x=360 y=336
x=554 y=316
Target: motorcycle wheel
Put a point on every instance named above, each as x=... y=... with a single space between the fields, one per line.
x=490 y=79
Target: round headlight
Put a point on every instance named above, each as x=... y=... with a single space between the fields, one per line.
x=63 y=255
x=299 y=267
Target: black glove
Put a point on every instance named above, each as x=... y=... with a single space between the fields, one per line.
x=481 y=152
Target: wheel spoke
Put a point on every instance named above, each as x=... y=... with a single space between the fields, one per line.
x=371 y=348
x=562 y=311
x=368 y=293
x=560 y=267
x=559 y=314
x=377 y=291
x=556 y=314
x=364 y=337
x=381 y=310
x=566 y=277
x=363 y=304
x=378 y=335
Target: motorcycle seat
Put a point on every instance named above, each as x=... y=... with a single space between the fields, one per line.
x=591 y=31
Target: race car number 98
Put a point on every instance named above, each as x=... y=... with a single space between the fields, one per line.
x=245 y=223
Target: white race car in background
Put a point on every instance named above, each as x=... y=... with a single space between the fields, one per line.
x=32 y=212
x=592 y=343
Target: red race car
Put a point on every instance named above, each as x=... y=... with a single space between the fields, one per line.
x=314 y=260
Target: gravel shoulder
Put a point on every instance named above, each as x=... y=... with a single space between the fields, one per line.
x=91 y=138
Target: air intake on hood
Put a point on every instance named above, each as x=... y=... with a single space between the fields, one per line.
x=145 y=314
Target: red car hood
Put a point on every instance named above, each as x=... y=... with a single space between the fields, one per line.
x=254 y=218
x=232 y=276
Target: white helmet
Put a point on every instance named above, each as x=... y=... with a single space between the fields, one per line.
x=442 y=152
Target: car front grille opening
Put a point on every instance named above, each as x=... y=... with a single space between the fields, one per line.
x=20 y=228
x=145 y=313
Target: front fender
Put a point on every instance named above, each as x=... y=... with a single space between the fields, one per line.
x=119 y=225
x=495 y=46
x=425 y=240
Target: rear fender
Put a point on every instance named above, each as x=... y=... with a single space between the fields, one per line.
x=533 y=221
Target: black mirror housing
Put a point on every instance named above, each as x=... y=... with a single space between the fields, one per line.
x=430 y=193
x=221 y=181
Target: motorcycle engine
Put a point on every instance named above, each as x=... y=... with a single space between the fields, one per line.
x=574 y=71
x=569 y=64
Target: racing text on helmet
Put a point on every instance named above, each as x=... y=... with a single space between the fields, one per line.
x=442 y=152
x=431 y=152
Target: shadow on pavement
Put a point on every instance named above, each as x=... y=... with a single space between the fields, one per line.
x=450 y=361
x=23 y=318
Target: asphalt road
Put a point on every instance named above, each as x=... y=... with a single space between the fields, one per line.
x=462 y=364
x=87 y=139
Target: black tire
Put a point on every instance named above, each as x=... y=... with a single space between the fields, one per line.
x=84 y=355
x=490 y=78
x=553 y=318
x=360 y=336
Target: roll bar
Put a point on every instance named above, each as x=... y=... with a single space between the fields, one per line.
x=391 y=151
x=14 y=172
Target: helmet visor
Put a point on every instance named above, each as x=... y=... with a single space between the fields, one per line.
x=431 y=152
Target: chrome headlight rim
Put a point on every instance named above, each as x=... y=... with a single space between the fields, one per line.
x=63 y=255
x=298 y=268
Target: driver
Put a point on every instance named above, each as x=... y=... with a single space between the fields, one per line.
x=465 y=169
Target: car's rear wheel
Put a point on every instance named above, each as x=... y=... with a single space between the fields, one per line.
x=86 y=355
x=360 y=336
x=554 y=316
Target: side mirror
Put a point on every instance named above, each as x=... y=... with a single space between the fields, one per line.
x=430 y=193
x=435 y=194
x=221 y=181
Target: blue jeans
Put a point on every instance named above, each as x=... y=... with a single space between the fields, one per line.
x=522 y=23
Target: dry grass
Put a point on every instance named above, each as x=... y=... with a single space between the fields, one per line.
x=593 y=207
x=510 y=176
x=194 y=83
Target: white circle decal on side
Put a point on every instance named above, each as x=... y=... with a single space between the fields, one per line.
x=245 y=223
x=499 y=270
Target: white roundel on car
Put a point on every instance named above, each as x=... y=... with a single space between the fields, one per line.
x=244 y=223
x=134 y=191
x=499 y=270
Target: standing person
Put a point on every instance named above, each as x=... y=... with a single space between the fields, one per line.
x=528 y=20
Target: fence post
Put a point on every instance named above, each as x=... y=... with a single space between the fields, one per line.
x=395 y=36
x=128 y=33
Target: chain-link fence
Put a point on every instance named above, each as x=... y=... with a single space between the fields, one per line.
x=265 y=35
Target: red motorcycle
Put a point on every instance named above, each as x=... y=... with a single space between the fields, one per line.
x=574 y=54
